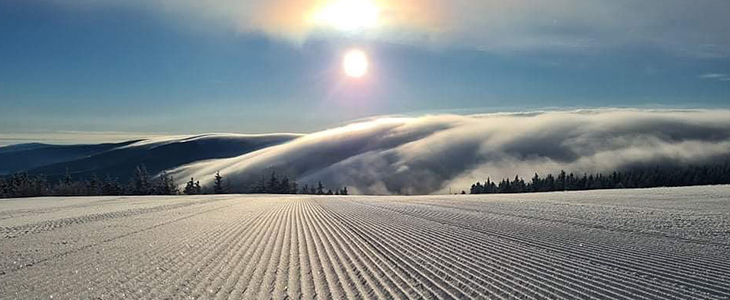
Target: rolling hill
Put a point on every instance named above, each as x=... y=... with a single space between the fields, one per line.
x=120 y=160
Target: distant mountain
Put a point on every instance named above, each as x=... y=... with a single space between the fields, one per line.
x=22 y=147
x=25 y=157
x=157 y=155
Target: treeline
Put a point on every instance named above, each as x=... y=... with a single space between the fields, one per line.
x=24 y=185
x=283 y=185
x=142 y=183
x=634 y=178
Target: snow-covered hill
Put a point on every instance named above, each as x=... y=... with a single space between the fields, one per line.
x=628 y=244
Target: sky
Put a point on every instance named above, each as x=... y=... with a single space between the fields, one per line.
x=74 y=70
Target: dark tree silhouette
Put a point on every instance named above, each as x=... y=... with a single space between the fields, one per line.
x=320 y=189
x=111 y=187
x=93 y=186
x=141 y=182
x=642 y=177
x=218 y=184
x=273 y=185
x=192 y=187
x=166 y=185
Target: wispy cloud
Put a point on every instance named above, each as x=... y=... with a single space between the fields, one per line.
x=687 y=28
x=716 y=76
x=430 y=153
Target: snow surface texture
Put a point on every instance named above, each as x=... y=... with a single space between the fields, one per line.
x=429 y=154
x=627 y=244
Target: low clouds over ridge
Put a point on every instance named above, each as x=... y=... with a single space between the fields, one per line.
x=429 y=154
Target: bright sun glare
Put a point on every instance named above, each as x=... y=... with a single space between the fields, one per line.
x=348 y=14
x=355 y=64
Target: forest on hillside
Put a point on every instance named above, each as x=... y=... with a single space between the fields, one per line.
x=142 y=183
x=642 y=177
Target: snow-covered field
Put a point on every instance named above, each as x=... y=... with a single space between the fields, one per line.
x=630 y=244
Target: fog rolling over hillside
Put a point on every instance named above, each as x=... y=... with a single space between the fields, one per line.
x=429 y=154
x=407 y=155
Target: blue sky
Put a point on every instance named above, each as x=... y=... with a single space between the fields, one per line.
x=165 y=66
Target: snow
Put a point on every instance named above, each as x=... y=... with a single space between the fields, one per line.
x=618 y=244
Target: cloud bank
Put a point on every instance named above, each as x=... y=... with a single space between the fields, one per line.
x=429 y=154
x=685 y=27
x=716 y=77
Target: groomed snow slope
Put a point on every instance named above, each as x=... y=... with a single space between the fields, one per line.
x=630 y=244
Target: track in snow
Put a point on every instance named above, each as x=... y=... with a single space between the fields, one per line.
x=630 y=244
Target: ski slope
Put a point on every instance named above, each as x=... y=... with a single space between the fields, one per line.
x=619 y=244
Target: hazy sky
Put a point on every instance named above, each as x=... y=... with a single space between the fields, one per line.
x=185 y=66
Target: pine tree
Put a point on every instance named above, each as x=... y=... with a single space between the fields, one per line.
x=198 y=188
x=111 y=187
x=218 y=183
x=518 y=185
x=93 y=186
x=166 y=185
x=3 y=188
x=141 y=181
x=272 y=184
x=284 y=187
x=190 y=187
x=476 y=188
x=536 y=184
x=67 y=180
x=260 y=187
x=320 y=188
x=293 y=187
x=560 y=181
x=66 y=186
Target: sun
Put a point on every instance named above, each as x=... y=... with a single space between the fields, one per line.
x=355 y=63
x=348 y=15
